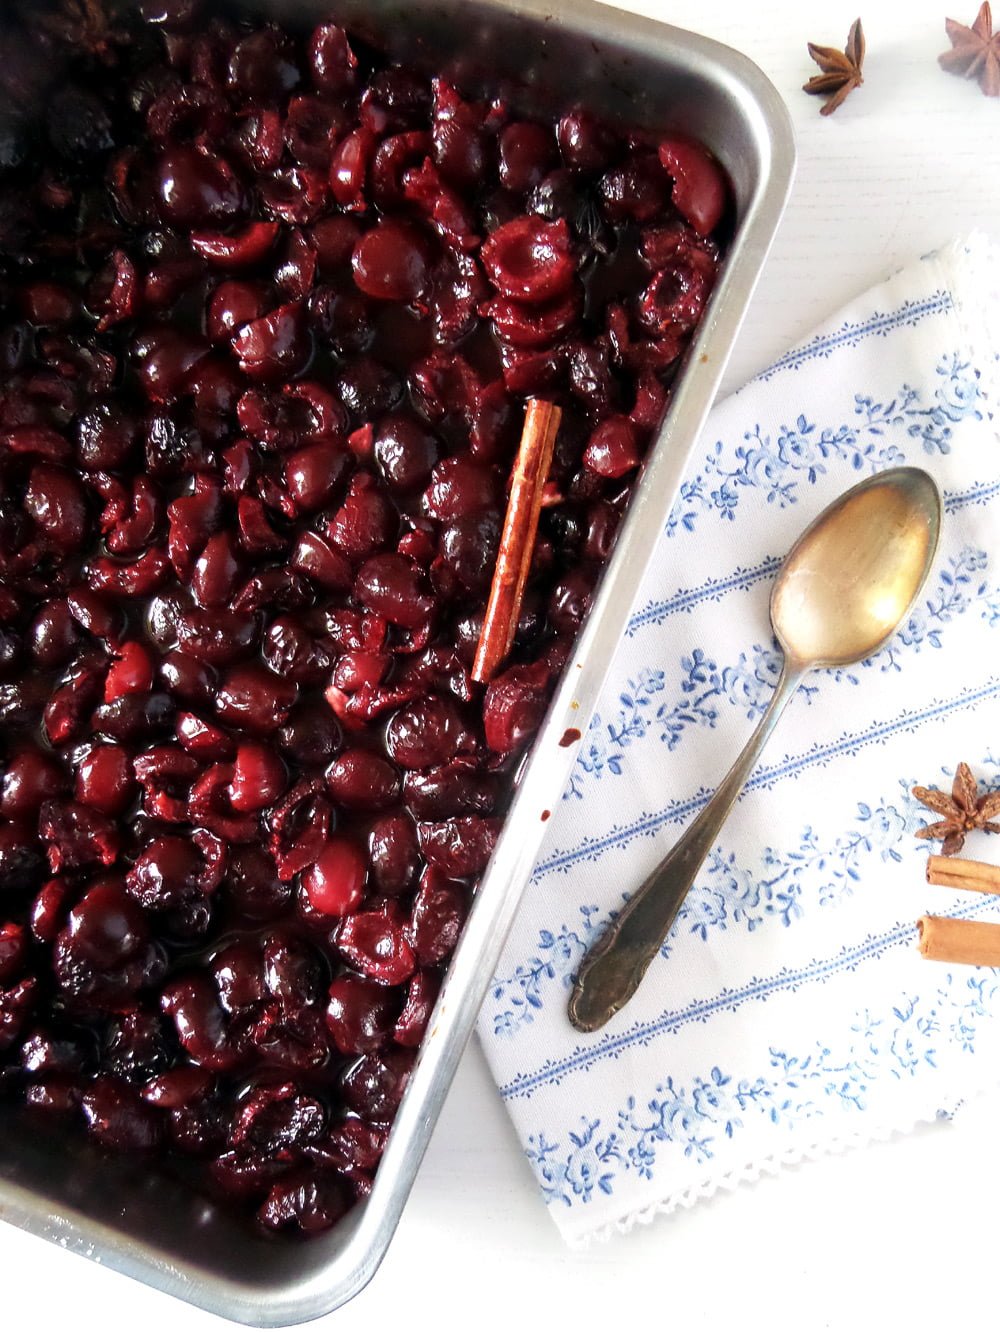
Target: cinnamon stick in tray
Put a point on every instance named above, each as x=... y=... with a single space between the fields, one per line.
x=517 y=541
x=946 y=939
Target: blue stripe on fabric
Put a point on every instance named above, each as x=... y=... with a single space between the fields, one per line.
x=582 y=1058
x=909 y=314
x=981 y=493
x=713 y=590
x=654 y=613
x=591 y=849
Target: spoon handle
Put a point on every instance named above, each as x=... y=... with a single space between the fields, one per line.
x=616 y=963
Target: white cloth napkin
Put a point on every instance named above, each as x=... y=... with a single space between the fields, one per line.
x=790 y=1012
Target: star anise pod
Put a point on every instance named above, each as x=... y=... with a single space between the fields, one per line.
x=87 y=25
x=841 y=69
x=975 y=51
x=963 y=811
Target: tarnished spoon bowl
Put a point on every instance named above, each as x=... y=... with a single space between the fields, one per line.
x=841 y=593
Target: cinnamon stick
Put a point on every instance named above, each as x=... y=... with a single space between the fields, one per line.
x=517 y=541
x=945 y=939
x=958 y=873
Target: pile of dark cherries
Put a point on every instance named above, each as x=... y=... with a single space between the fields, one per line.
x=270 y=309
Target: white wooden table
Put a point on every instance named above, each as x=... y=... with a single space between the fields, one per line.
x=898 y=1236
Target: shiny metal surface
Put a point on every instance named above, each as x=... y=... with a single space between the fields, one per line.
x=545 y=56
x=842 y=591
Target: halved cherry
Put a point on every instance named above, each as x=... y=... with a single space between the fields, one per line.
x=242 y=249
x=259 y=777
x=335 y=882
x=375 y=943
x=530 y=259
x=699 y=185
x=130 y=673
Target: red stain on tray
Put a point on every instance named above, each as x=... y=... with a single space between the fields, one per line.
x=570 y=736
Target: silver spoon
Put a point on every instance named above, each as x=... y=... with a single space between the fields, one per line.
x=841 y=593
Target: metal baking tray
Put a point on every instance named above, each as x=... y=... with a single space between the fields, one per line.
x=545 y=55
